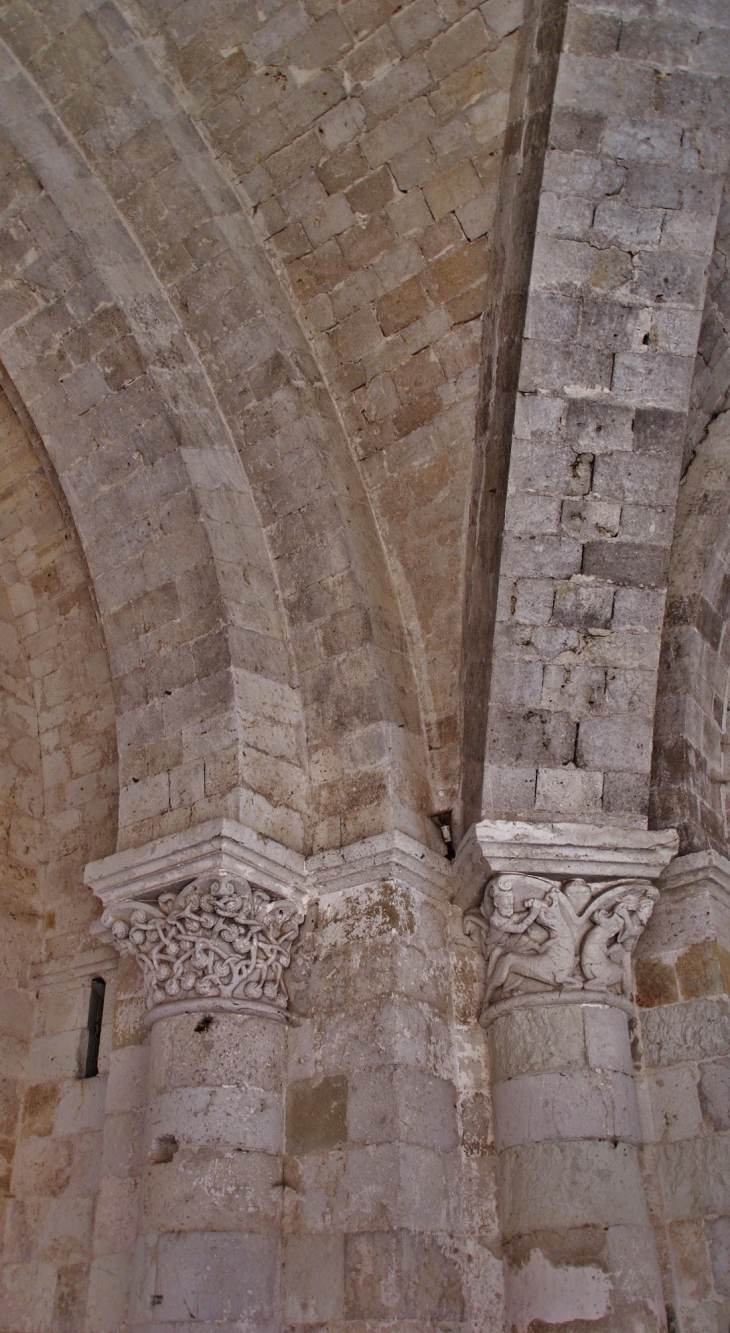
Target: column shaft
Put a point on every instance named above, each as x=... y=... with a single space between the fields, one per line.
x=683 y=996
x=557 y=923
x=208 y=1252
x=578 y=1243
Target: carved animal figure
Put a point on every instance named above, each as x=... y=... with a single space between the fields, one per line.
x=607 y=948
x=553 y=961
x=602 y=955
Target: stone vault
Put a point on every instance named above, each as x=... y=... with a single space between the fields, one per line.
x=364 y=652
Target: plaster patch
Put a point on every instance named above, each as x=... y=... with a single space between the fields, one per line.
x=554 y=1295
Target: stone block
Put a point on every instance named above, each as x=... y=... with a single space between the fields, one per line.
x=714 y=1092
x=583 y=602
x=581 y=1104
x=232 y=1050
x=607 y=1038
x=656 y=983
x=718 y=1235
x=565 y=215
x=532 y=514
x=398 y=133
x=447 y=191
x=597 y=427
x=316 y=1114
x=246 y=1118
x=675 y=1104
x=39 y=1108
x=313 y=1278
x=108 y=1291
x=619 y=742
x=703 y=969
x=581 y=1183
x=542 y=557
x=694 y=1030
x=401 y=1105
x=535 y=736
x=453 y=273
x=213 y=1277
x=628 y=564
x=578 y=691
x=695 y=1177
x=28 y=1292
x=534 y=1041
x=676 y=278
x=568 y=791
x=400 y=1274
x=634 y=479
x=211 y=1189
x=409 y=213
x=502 y=16
x=507 y=788
x=457 y=46
x=629 y=228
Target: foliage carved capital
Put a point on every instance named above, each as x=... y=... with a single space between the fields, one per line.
x=220 y=943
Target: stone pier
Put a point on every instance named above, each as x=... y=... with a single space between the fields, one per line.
x=372 y=1234
x=557 y=911
x=683 y=1005
x=210 y=919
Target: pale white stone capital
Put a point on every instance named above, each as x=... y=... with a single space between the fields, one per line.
x=557 y=909
x=220 y=846
x=210 y=915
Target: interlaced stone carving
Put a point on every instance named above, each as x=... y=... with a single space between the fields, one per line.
x=540 y=935
x=218 y=938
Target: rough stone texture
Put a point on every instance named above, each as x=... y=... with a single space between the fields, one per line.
x=210 y=1189
x=389 y=1209
x=57 y=806
x=627 y=218
x=504 y=320
x=293 y=536
x=690 y=730
x=711 y=381
x=570 y=1188
x=683 y=987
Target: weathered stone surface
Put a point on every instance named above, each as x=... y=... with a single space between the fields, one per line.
x=351 y=359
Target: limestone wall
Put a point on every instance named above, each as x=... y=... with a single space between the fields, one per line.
x=363 y=371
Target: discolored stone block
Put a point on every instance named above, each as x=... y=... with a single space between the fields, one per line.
x=316 y=1114
x=700 y=970
x=656 y=983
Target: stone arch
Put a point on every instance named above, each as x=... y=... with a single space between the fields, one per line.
x=711 y=381
x=367 y=141
x=573 y=581
x=333 y=580
x=511 y=250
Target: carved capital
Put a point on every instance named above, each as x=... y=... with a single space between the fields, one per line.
x=541 y=936
x=551 y=924
x=217 y=943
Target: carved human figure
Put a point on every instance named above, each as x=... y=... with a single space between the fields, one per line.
x=559 y=935
x=505 y=922
x=554 y=958
x=500 y=925
x=607 y=948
